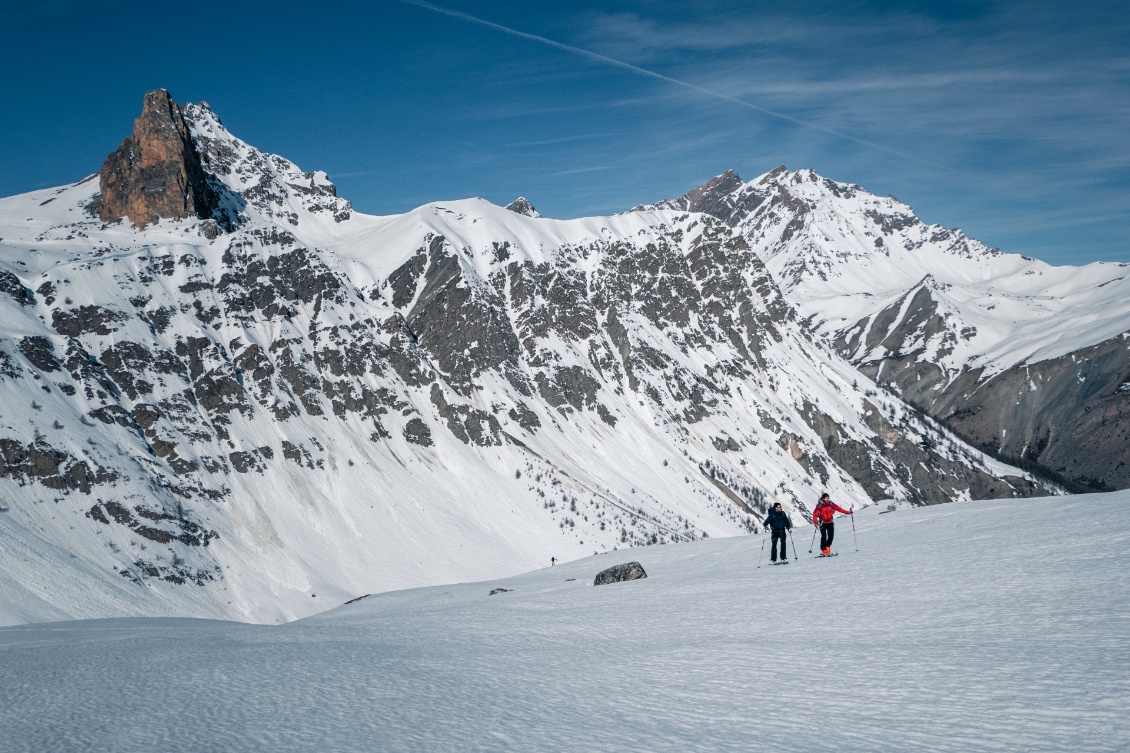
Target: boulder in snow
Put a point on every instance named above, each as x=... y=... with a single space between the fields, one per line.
x=617 y=573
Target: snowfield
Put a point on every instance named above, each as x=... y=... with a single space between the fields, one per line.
x=435 y=397
x=973 y=626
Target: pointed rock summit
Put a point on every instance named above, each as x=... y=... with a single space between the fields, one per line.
x=715 y=197
x=710 y=197
x=156 y=173
x=521 y=206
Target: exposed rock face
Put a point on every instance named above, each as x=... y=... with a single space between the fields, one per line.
x=11 y=285
x=52 y=467
x=1067 y=417
x=155 y=173
x=620 y=573
x=719 y=197
x=611 y=382
x=1013 y=355
x=523 y=207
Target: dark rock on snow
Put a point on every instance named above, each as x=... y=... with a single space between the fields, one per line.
x=522 y=206
x=618 y=573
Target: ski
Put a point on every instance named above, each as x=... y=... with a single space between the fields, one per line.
x=826 y=556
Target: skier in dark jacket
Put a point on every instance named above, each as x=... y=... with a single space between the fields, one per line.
x=822 y=517
x=778 y=522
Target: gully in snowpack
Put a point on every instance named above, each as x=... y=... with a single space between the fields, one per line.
x=778 y=522
x=822 y=516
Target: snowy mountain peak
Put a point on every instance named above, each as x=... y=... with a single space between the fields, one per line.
x=523 y=207
x=202 y=114
x=936 y=315
x=712 y=194
x=255 y=186
x=227 y=416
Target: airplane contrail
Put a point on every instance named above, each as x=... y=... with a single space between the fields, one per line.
x=596 y=56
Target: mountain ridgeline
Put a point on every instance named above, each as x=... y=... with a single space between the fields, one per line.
x=247 y=400
x=1028 y=362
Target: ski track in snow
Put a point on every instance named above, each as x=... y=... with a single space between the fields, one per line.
x=973 y=626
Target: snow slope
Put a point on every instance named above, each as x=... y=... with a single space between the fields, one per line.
x=1025 y=361
x=974 y=626
x=843 y=255
x=251 y=415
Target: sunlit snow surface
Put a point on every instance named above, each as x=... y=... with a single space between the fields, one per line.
x=842 y=255
x=973 y=626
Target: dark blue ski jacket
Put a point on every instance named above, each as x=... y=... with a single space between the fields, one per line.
x=777 y=520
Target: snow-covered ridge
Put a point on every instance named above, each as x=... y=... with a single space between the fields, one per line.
x=1024 y=360
x=261 y=186
x=257 y=414
x=843 y=255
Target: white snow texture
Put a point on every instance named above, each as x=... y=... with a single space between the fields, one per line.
x=973 y=626
x=310 y=506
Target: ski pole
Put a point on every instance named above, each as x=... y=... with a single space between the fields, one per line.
x=813 y=542
x=762 y=555
x=853 y=529
x=791 y=539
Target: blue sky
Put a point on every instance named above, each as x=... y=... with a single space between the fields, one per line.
x=1009 y=120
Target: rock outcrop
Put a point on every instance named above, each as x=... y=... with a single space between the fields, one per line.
x=1024 y=361
x=620 y=573
x=1067 y=418
x=156 y=173
x=522 y=206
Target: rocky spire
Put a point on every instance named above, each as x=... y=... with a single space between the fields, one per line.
x=713 y=197
x=156 y=172
x=522 y=206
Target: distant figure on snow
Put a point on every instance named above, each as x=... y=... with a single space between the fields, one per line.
x=778 y=522
x=822 y=516
x=552 y=561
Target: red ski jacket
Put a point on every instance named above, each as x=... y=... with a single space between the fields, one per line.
x=825 y=511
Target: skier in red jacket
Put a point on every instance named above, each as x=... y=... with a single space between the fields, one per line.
x=822 y=516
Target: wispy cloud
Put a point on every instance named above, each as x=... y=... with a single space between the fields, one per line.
x=581 y=170
x=704 y=91
x=515 y=110
x=738 y=30
x=563 y=140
